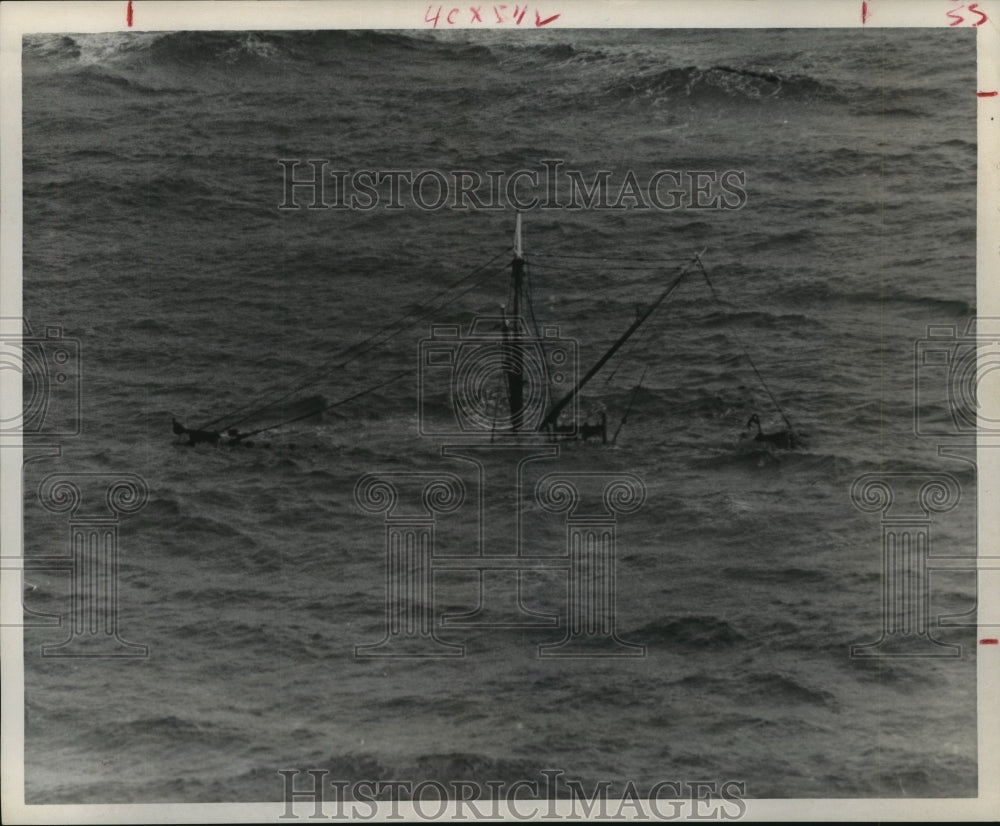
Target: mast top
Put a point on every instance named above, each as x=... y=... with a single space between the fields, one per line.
x=517 y=237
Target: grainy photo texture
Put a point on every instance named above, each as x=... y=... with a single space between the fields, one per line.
x=584 y=415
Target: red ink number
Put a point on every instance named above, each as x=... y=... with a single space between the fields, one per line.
x=128 y=14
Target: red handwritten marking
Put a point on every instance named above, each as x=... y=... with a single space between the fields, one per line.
x=864 y=13
x=455 y=16
x=973 y=7
x=128 y=14
x=987 y=94
x=989 y=641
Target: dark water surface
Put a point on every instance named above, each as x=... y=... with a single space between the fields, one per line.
x=153 y=235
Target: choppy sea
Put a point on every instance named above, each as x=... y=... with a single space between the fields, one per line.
x=153 y=236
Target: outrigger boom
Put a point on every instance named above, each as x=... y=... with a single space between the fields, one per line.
x=558 y=407
x=514 y=345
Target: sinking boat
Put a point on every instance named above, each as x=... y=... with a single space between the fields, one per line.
x=504 y=377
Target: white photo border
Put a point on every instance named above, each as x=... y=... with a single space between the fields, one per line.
x=20 y=18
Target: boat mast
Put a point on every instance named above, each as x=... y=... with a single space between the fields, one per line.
x=517 y=269
x=513 y=334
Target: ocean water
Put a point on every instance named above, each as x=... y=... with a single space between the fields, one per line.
x=153 y=235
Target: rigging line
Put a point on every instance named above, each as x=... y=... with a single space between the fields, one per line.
x=326 y=407
x=628 y=409
x=428 y=310
x=534 y=324
x=666 y=260
x=629 y=351
x=746 y=352
x=496 y=403
x=623 y=285
x=557 y=408
x=372 y=346
x=619 y=267
x=320 y=371
x=530 y=303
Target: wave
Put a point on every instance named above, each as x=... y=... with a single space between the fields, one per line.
x=200 y=49
x=175 y=62
x=900 y=674
x=721 y=83
x=97 y=79
x=443 y=767
x=760 y=320
x=783 y=576
x=786 y=239
x=783 y=688
x=564 y=51
x=697 y=632
x=185 y=191
x=814 y=292
x=49 y=46
x=205 y=526
x=222 y=597
x=169 y=732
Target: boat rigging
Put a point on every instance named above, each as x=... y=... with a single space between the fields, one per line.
x=509 y=349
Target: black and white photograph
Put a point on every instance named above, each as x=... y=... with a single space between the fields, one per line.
x=551 y=411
